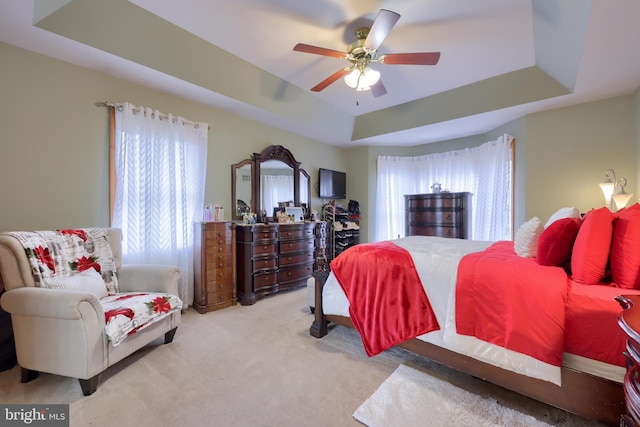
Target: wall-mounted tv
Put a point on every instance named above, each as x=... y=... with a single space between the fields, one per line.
x=332 y=184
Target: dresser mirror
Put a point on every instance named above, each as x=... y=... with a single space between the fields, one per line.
x=270 y=180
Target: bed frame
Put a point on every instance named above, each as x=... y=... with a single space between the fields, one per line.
x=582 y=394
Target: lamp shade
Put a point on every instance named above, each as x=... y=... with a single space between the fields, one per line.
x=362 y=80
x=621 y=200
x=607 y=191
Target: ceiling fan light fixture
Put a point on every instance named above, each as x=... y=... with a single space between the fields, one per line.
x=362 y=80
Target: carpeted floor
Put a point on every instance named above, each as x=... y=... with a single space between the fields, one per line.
x=248 y=366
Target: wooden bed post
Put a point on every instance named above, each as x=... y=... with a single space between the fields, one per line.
x=319 y=326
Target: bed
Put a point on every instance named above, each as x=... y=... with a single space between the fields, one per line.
x=495 y=311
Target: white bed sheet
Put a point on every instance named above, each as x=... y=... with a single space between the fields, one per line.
x=436 y=260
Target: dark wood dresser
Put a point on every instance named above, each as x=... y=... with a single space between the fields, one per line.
x=629 y=321
x=274 y=257
x=214 y=265
x=438 y=214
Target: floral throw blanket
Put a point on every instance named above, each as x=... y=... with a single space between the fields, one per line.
x=61 y=260
x=62 y=253
x=127 y=313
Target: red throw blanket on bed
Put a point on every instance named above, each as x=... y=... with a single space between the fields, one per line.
x=387 y=302
x=512 y=302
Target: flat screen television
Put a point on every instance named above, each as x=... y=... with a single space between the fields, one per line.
x=332 y=184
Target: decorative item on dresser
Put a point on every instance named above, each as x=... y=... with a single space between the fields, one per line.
x=274 y=257
x=438 y=214
x=214 y=266
x=629 y=321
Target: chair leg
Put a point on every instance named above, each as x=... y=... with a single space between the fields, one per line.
x=89 y=386
x=168 y=337
x=27 y=375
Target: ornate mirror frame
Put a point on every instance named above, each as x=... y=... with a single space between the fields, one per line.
x=272 y=152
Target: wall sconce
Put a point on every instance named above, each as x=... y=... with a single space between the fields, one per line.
x=621 y=197
x=613 y=191
x=608 y=186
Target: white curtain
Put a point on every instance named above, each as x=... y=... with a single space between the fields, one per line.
x=485 y=171
x=160 y=162
x=276 y=188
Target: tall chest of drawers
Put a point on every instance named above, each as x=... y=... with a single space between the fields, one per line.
x=438 y=214
x=214 y=266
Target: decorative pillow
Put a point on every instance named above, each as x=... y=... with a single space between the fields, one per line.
x=526 y=242
x=591 y=248
x=561 y=213
x=556 y=242
x=85 y=281
x=625 y=248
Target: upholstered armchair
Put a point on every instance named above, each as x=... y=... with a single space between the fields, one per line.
x=65 y=326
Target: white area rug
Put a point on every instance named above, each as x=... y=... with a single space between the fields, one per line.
x=412 y=398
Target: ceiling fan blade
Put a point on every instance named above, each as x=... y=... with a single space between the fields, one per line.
x=422 y=58
x=331 y=79
x=381 y=27
x=301 y=47
x=378 y=89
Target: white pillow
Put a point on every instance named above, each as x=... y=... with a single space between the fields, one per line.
x=526 y=242
x=570 y=212
x=87 y=281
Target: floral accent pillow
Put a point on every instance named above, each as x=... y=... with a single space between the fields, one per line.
x=127 y=313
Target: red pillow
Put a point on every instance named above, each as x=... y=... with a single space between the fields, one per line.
x=591 y=248
x=625 y=248
x=556 y=242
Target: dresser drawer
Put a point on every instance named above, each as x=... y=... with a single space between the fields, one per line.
x=219 y=286
x=296 y=246
x=454 y=232
x=436 y=217
x=264 y=235
x=435 y=202
x=215 y=297
x=295 y=273
x=300 y=258
x=265 y=249
x=295 y=232
x=265 y=280
x=263 y=264
x=214 y=238
x=217 y=260
x=222 y=276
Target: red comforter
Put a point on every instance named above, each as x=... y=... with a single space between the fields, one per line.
x=512 y=302
x=387 y=303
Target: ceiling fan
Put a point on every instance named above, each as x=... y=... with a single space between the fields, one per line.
x=364 y=51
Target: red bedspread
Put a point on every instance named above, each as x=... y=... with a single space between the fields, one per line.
x=592 y=329
x=512 y=302
x=387 y=302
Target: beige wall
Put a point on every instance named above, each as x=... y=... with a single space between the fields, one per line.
x=54 y=142
x=54 y=162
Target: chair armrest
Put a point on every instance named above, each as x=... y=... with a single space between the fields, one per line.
x=148 y=278
x=49 y=303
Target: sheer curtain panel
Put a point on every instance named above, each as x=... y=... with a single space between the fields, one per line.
x=160 y=171
x=485 y=171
